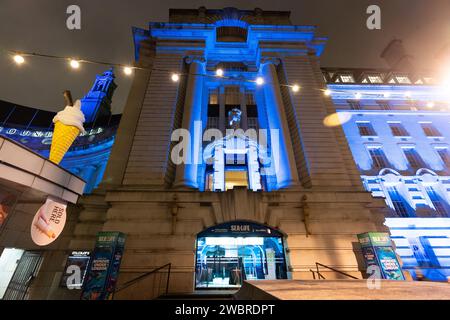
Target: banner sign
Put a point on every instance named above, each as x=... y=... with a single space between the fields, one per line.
x=377 y=250
x=240 y=229
x=104 y=267
x=49 y=221
x=79 y=259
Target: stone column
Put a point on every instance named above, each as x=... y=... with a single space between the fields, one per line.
x=284 y=160
x=244 y=120
x=222 y=115
x=186 y=174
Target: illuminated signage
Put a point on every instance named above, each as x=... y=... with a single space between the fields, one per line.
x=49 y=221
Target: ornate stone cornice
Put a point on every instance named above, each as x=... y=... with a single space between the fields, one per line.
x=195 y=58
x=272 y=60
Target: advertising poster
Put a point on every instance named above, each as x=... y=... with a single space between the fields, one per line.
x=79 y=259
x=377 y=250
x=104 y=267
x=49 y=221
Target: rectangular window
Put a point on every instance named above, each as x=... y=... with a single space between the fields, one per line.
x=378 y=157
x=375 y=79
x=213 y=97
x=398 y=202
x=347 y=78
x=398 y=130
x=384 y=105
x=445 y=157
x=437 y=201
x=403 y=80
x=232 y=96
x=354 y=104
x=413 y=158
x=430 y=130
x=366 y=129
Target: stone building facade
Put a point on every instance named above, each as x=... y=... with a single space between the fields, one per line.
x=315 y=199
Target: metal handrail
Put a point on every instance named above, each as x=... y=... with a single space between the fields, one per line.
x=145 y=275
x=330 y=268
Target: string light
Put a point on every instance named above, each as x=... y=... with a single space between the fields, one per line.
x=259 y=81
x=127 y=70
x=295 y=88
x=175 y=77
x=219 y=72
x=74 y=64
x=327 y=92
x=19 y=59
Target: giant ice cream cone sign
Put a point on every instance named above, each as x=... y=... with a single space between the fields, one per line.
x=68 y=125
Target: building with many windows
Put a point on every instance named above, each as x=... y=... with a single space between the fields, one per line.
x=87 y=158
x=399 y=137
x=239 y=157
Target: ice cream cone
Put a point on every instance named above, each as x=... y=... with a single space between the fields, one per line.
x=68 y=125
x=63 y=137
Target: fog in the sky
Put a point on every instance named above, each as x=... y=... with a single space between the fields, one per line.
x=40 y=26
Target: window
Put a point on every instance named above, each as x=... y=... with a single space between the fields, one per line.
x=231 y=34
x=384 y=105
x=354 y=104
x=415 y=161
x=347 y=78
x=366 y=129
x=443 y=153
x=213 y=97
x=375 y=79
x=398 y=202
x=438 y=203
x=232 y=96
x=398 y=130
x=378 y=157
x=430 y=130
x=403 y=80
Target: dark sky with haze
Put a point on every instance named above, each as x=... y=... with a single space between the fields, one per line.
x=40 y=26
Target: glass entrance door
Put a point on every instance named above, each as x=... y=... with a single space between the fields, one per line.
x=226 y=260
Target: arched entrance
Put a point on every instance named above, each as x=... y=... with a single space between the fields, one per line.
x=234 y=251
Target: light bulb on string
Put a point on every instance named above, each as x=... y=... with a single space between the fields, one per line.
x=19 y=59
x=74 y=64
x=295 y=88
x=175 y=77
x=259 y=81
x=127 y=70
x=219 y=72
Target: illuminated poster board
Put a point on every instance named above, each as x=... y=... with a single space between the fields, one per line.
x=377 y=250
x=104 y=268
x=79 y=259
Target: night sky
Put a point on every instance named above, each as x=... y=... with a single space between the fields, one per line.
x=40 y=26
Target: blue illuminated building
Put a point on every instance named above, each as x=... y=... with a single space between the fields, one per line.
x=397 y=127
x=90 y=152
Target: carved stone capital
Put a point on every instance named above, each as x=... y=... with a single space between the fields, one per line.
x=270 y=60
x=194 y=58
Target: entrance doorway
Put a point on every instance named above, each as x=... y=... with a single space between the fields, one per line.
x=26 y=270
x=229 y=253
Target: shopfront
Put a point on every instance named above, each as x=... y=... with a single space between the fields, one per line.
x=229 y=253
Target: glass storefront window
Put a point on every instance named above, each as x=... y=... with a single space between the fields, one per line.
x=225 y=261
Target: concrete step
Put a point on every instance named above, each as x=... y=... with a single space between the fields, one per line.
x=342 y=290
